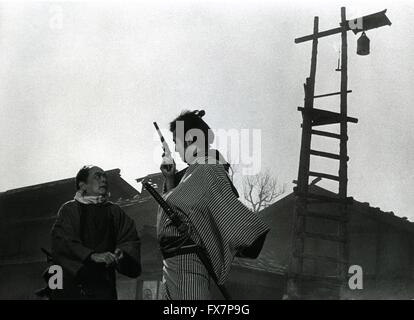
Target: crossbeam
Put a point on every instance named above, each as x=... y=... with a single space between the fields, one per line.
x=364 y=23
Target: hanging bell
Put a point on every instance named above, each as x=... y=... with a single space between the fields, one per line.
x=363 y=45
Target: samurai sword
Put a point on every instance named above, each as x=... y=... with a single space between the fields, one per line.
x=171 y=213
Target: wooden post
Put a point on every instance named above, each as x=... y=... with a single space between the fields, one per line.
x=299 y=222
x=343 y=152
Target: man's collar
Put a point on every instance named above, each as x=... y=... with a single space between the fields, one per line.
x=80 y=197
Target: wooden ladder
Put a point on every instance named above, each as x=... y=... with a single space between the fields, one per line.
x=299 y=279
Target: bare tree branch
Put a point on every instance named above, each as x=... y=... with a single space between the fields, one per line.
x=261 y=190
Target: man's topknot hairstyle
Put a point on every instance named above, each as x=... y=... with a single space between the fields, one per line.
x=193 y=120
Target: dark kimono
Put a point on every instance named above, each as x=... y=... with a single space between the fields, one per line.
x=83 y=229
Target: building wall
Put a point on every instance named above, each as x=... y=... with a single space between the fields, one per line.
x=246 y=283
x=385 y=252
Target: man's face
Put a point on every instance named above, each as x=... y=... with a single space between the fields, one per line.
x=97 y=184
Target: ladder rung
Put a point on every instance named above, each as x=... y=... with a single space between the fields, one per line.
x=324 y=175
x=321 y=258
x=323 y=198
x=317 y=235
x=331 y=94
x=327 y=216
x=328 y=134
x=323 y=117
x=328 y=155
x=333 y=279
x=314 y=181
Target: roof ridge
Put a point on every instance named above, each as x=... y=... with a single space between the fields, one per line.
x=40 y=185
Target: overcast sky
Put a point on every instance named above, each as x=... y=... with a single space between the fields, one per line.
x=81 y=83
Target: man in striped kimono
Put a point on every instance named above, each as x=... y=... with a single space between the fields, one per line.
x=207 y=202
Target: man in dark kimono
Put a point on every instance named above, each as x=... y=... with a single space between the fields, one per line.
x=91 y=239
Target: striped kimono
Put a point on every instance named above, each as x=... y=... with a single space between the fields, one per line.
x=205 y=199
